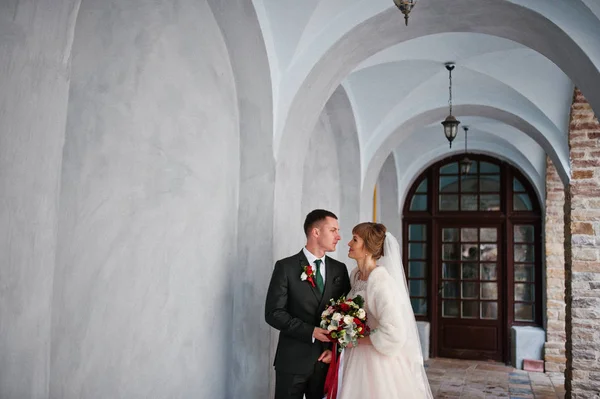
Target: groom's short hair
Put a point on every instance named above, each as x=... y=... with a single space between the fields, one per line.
x=315 y=217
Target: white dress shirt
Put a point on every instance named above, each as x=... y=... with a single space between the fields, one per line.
x=311 y=261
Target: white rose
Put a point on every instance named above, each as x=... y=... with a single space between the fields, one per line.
x=348 y=320
x=331 y=327
x=336 y=317
x=361 y=314
x=303 y=276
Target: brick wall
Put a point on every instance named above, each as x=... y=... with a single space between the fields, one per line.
x=554 y=349
x=582 y=254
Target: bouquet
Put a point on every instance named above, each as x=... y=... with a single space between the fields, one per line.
x=346 y=321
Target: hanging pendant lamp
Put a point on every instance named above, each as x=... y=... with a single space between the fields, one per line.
x=451 y=123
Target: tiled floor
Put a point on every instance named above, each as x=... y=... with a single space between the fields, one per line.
x=464 y=379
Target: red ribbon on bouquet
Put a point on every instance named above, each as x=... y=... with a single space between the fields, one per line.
x=331 y=381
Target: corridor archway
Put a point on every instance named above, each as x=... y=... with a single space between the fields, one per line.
x=472 y=253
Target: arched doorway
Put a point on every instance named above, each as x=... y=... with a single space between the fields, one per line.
x=472 y=253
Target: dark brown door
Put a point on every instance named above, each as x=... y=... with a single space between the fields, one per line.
x=470 y=304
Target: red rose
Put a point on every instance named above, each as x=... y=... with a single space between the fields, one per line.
x=344 y=307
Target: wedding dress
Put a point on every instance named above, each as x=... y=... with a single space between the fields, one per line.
x=391 y=368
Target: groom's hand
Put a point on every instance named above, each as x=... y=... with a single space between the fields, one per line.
x=321 y=334
x=325 y=357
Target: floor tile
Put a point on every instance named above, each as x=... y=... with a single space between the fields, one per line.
x=465 y=379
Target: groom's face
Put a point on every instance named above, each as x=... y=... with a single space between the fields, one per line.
x=329 y=234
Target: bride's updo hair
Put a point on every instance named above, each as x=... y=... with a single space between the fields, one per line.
x=373 y=234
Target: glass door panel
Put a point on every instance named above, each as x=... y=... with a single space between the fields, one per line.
x=469 y=291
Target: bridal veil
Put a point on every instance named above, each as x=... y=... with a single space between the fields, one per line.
x=411 y=347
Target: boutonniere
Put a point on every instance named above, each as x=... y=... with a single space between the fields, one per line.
x=307 y=275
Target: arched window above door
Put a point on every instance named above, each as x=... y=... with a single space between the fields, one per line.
x=471 y=248
x=420 y=198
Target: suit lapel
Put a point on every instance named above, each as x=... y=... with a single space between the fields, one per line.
x=304 y=262
x=327 y=291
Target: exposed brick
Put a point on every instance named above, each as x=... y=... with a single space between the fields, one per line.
x=554 y=355
x=585 y=266
x=585 y=143
x=551 y=367
x=594 y=135
x=556 y=273
x=590 y=192
x=583 y=174
x=555 y=359
x=582 y=254
x=586 y=163
x=582 y=228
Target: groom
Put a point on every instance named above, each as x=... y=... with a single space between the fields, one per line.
x=294 y=307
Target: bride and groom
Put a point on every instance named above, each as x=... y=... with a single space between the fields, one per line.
x=386 y=364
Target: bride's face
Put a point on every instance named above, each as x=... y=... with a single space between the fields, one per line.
x=357 y=248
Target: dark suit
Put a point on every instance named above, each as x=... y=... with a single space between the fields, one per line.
x=294 y=308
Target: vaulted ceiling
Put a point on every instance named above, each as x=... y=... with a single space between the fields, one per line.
x=517 y=62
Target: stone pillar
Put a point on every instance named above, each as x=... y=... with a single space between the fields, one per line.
x=554 y=349
x=582 y=236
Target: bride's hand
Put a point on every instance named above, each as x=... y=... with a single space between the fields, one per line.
x=366 y=340
x=325 y=357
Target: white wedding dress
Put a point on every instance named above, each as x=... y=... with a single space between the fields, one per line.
x=391 y=368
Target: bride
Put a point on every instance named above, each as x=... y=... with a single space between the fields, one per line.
x=388 y=363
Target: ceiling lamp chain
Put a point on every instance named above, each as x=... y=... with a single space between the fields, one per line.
x=450 y=123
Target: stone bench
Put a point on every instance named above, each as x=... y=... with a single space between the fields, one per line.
x=526 y=343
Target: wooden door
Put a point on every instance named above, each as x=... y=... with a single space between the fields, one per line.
x=470 y=301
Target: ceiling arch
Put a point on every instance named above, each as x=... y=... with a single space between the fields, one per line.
x=325 y=49
x=475 y=89
x=522 y=152
x=526 y=71
x=565 y=34
x=499 y=18
x=408 y=128
x=485 y=147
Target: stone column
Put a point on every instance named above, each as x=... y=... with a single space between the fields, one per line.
x=554 y=349
x=582 y=236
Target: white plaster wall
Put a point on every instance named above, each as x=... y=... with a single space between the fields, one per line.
x=250 y=364
x=321 y=187
x=147 y=238
x=343 y=126
x=35 y=44
x=387 y=185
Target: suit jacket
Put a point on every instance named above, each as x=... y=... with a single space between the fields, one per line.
x=294 y=308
